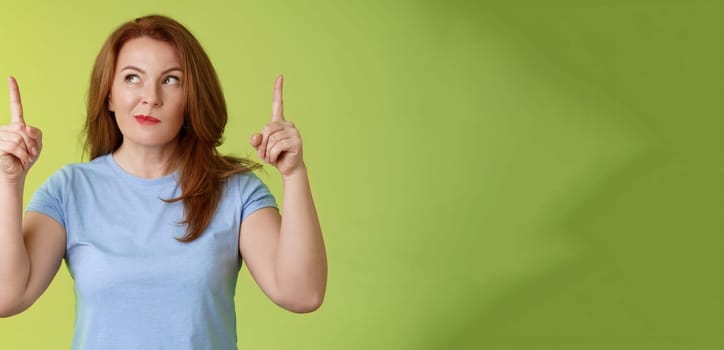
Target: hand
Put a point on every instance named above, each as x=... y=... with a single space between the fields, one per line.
x=20 y=144
x=279 y=142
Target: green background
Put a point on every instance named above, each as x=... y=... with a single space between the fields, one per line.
x=489 y=174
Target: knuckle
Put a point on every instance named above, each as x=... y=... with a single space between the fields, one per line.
x=16 y=140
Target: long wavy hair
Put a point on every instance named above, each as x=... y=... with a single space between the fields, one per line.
x=203 y=171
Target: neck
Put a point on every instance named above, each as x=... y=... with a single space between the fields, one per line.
x=146 y=162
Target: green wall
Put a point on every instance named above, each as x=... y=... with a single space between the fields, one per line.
x=489 y=174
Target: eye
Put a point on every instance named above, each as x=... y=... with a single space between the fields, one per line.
x=132 y=78
x=172 y=80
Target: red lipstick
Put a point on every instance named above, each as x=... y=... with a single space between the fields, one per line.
x=146 y=120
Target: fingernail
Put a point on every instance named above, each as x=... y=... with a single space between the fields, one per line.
x=34 y=151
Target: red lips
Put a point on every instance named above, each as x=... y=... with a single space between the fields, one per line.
x=146 y=119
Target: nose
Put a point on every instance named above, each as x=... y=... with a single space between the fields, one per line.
x=152 y=95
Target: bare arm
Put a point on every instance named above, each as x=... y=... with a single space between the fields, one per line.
x=286 y=254
x=32 y=260
x=14 y=260
x=30 y=249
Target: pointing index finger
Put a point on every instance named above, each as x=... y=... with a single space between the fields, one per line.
x=16 y=106
x=277 y=102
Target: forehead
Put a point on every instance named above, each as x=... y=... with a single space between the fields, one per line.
x=148 y=54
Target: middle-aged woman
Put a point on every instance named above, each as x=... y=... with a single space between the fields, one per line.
x=154 y=227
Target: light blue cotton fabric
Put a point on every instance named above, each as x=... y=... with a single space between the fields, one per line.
x=136 y=286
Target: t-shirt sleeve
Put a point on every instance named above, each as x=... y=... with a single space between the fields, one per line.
x=254 y=194
x=48 y=199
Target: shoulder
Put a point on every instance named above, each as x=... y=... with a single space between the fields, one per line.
x=246 y=183
x=96 y=164
x=246 y=178
x=68 y=182
x=252 y=192
x=70 y=172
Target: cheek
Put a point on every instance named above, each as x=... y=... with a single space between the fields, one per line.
x=122 y=101
x=176 y=105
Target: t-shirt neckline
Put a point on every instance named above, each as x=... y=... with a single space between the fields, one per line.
x=139 y=180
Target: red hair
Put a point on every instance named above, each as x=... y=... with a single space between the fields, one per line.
x=203 y=170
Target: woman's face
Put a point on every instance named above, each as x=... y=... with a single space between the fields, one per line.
x=147 y=94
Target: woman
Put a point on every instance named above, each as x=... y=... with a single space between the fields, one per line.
x=154 y=227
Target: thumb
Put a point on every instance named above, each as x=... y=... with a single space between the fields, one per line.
x=255 y=140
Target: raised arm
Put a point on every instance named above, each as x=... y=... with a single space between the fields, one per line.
x=286 y=254
x=32 y=248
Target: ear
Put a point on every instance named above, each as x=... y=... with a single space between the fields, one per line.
x=109 y=103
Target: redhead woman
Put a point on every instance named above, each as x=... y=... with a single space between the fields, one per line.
x=155 y=226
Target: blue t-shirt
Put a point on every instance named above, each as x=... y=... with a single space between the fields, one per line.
x=136 y=286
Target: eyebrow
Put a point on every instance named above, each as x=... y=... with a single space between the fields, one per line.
x=144 y=72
